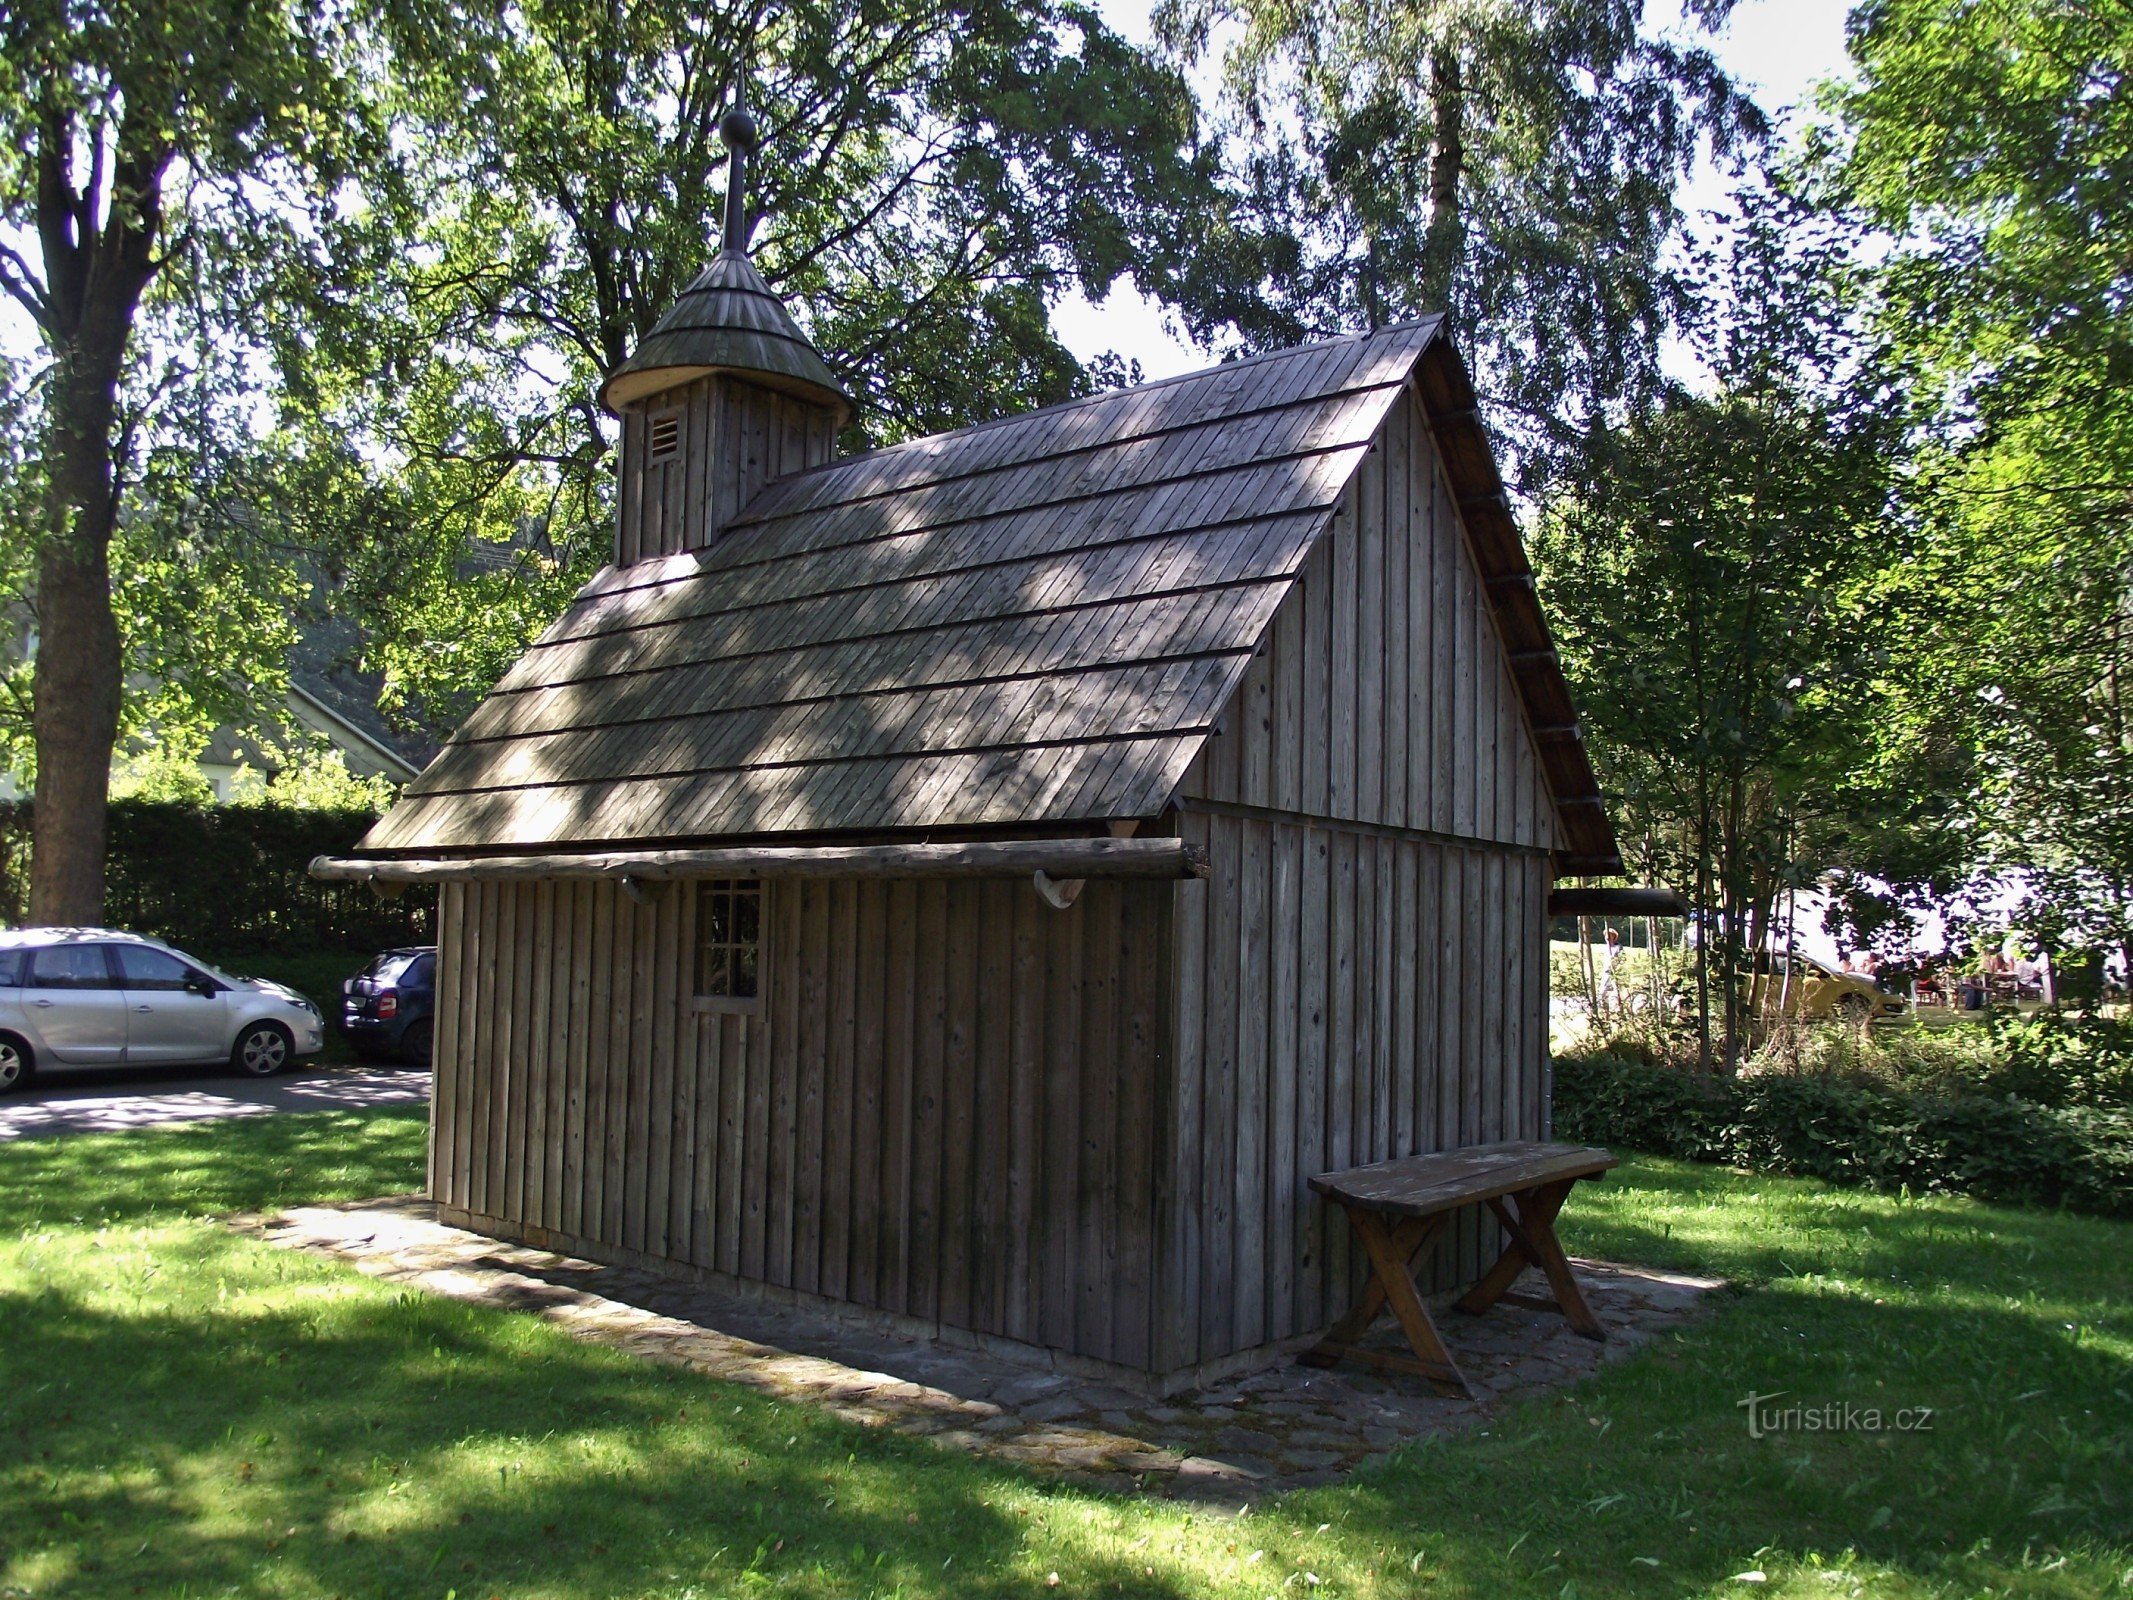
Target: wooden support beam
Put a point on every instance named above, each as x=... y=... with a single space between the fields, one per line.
x=1532 y=658
x=1570 y=731
x=1616 y=903
x=1013 y=858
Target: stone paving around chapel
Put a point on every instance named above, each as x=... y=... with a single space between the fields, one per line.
x=1283 y=1427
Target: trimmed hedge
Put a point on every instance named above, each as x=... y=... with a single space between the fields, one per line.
x=222 y=879
x=1999 y=1149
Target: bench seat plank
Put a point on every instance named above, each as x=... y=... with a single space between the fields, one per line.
x=1417 y=1186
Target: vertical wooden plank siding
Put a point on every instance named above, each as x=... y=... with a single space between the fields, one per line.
x=699 y=1132
x=1364 y=975
x=735 y=437
x=1399 y=1006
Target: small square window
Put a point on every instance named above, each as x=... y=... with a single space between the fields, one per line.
x=665 y=435
x=729 y=922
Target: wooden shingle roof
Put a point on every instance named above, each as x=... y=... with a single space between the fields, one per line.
x=727 y=320
x=1031 y=623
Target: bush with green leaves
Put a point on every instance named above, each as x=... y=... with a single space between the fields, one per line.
x=229 y=879
x=1993 y=1147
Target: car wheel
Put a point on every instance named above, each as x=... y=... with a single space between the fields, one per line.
x=262 y=1050
x=415 y=1043
x=17 y=1065
x=1856 y=1009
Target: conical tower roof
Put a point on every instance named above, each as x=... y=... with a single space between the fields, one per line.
x=727 y=321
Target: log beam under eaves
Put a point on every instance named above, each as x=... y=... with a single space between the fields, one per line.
x=1011 y=858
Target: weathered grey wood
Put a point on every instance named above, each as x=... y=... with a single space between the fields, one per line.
x=1282 y=1193
x=871 y=1109
x=1014 y=858
x=1255 y=889
x=671 y=1097
x=1024 y=1110
x=813 y=1088
x=1096 y=1158
x=598 y=1039
x=491 y=1096
x=1050 y=477
x=1091 y=1128
x=992 y=1104
x=1065 y=1050
x=1367 y=627
x=453 y=994
x=1340 y=1144
x=576 y=1093
x=1180 y=1241
x=929 y=1098
x=620 y=1154
x=1313 y=1063
x=1226 y=1013
x=1421 y=1186
x=787 y=1010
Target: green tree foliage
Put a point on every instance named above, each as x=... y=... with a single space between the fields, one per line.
x=163 y=160
x=1514 y=163
x=1713 y=585
x=1995 y=143
x=935 y=175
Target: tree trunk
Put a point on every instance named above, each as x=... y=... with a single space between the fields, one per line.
x=1443 y=245
x=77 y=675
x=98 y=240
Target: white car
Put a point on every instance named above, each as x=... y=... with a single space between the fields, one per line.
x=91 y=997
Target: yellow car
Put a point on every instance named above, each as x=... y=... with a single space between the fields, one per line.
x=1818 y=993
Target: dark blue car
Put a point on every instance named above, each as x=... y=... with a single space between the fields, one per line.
x=386 y=1009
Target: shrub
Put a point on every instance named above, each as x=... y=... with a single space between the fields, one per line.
x=1996 y=1148
x=231 y=878
x=2056 y=1059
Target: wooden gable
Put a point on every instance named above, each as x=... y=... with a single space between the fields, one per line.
x=1383 y=693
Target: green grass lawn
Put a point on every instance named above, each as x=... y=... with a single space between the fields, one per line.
x=187 y=1412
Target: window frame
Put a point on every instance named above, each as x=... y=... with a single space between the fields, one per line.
x=190 y=978
x=111 y=984
x=716 y=1004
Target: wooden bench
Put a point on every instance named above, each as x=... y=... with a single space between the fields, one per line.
x=1397 y=1208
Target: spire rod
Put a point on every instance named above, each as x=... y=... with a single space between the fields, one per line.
x=738 y=129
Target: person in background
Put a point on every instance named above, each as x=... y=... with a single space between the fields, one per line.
x=1610 y=988
x=2026 y=975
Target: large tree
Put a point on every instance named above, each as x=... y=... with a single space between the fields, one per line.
x=935 y=175
x=1512 y=162
x=1994 y=143
x=1717 y=591
x=136 y=133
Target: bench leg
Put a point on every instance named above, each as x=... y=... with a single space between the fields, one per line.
x=1392 y=1251
x=1532 y=1240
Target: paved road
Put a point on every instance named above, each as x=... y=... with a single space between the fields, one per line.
x=105 y=1102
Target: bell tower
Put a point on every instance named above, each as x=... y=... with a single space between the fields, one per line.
x=723 y=395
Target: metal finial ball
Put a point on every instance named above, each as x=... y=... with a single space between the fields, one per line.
x=738 y=129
